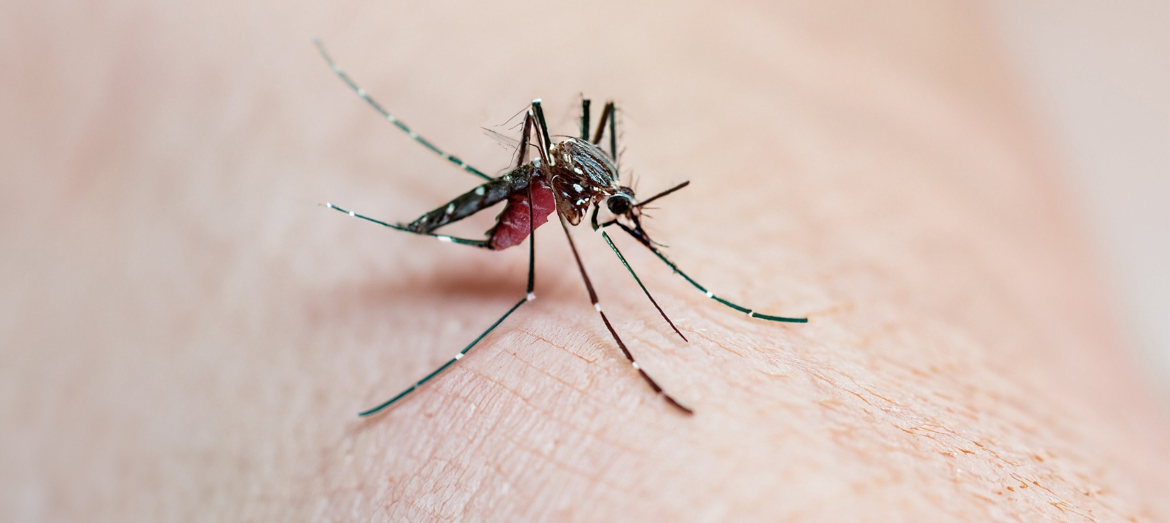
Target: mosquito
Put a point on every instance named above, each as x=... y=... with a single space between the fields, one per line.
x=569 y=177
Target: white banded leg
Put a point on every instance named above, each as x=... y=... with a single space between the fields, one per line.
x=751 y=313
x=528 y=296
x=639 y=280
x=393 y=119
x=441 y=237
x=597 y=306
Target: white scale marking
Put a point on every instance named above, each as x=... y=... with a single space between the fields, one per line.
x=751 y=314
x=413 y=134
x=597 y=306
x=710 y=295
x=444 y=239
x=459 y=356
x=362 y=93
x=530 y=297
x=391 y=118
x=450 y=208
x=479 y=191
x=352 y=214
x=635 y=364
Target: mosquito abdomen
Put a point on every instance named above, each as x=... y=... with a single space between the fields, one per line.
x=512 y=224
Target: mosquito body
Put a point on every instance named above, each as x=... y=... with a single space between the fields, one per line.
x=569 y=177
x=580 y=174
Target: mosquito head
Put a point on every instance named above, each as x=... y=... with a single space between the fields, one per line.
x=621 y=202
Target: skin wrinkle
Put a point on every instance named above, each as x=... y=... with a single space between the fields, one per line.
x=526 y=400
x=562 y=347
x=397 y=490
x=541 y=370
x=603 y=342
x=928 y=426
x=925 y=425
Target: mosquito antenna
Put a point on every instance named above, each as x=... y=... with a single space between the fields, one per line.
x=661 y=194
x=645 y=241
x=639 y=280
x=393 y=119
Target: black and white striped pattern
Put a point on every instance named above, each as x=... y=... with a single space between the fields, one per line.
x=393 y=119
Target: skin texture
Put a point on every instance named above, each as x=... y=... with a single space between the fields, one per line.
x=187 y=336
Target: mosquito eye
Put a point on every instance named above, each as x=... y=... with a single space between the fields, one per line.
x=618 y=204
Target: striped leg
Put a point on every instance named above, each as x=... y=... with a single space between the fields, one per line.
x=585 y=118
x=597 y=306
x=494 y=191
x=539 y=116
x=644 y=240
x=441 y=237
x=639 y=280
x=529 y=296
x=450 y=362
x=608 y=116
x=394 y=120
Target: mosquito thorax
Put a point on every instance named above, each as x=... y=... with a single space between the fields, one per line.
x=584 y=163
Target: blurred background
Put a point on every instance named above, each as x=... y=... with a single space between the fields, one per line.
x=1099 y=75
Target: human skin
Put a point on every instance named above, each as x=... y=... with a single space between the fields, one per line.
x=188 y=336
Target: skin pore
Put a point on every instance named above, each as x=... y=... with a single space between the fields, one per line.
x=189 y=336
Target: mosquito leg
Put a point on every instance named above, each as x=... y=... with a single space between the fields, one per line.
x=449 y=363
x=613 y=151
x=639 y=280
x=649 y=245
x=585 y=118
x=545 y=140
x=608 y=119
x=606 y=114
x=597 y=306
x=441 y=237
x=393 y=119
x=528 y=296
x=522 y=153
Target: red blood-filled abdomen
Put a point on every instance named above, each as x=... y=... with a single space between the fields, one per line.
x=512 y=224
